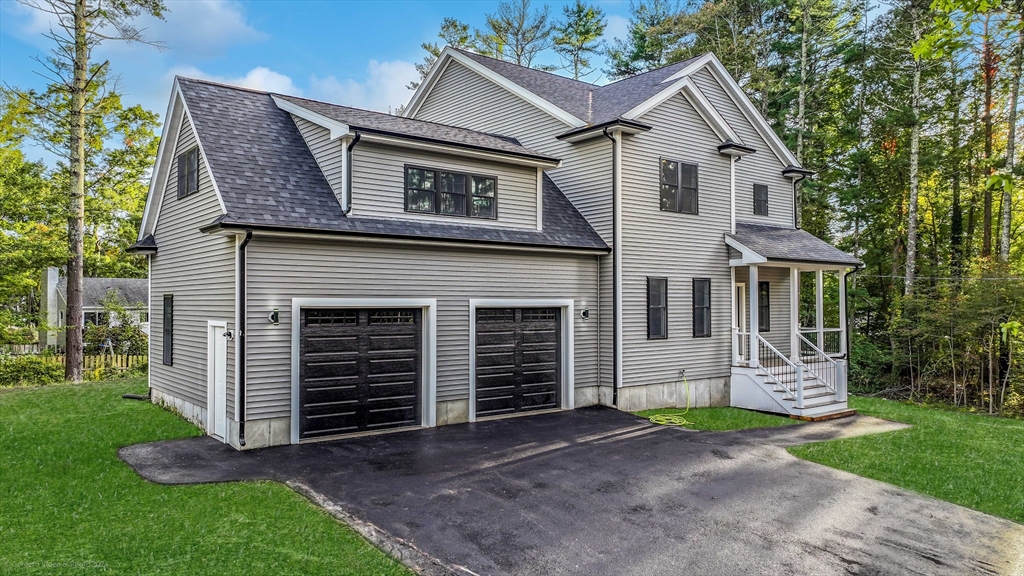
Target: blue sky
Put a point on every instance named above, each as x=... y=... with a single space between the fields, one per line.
x=354 y=53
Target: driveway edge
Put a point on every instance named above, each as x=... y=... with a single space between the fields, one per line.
x=405 y=552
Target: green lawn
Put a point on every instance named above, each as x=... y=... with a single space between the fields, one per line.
x=69 y=505
x=972 y=460
x=721 y=419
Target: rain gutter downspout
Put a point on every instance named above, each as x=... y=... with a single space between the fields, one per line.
x=241 y=337
x=347 y=193
x=616 y=263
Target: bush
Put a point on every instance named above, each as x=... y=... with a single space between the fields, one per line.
x=29 y=371
x=123 y=339
x=870 y=365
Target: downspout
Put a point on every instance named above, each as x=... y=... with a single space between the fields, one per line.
x=347 y=193
x=796 y=201
x=616 y=265
x=240 y=393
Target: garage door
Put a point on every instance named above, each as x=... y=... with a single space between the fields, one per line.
x=518 y=360
x=359 y=370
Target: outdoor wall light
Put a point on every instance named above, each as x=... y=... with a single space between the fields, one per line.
x=274 y=317
x=585 y=313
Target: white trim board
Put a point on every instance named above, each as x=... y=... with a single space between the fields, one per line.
x=450 y=54
x=428 y=396
x=697 y=99
x=568 y=342
x=338 y=129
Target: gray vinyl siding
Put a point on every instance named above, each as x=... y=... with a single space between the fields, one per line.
x=199 y=270
x=328 y=153
x=676 y=246
x=778 y=301
x=762 y=167
x=462 y=97
x=378 y=185
x=350 y=269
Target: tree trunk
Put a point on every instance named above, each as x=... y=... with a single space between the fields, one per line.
x=76 y=217
x=1011 y=143
x=989 y=70
x=802 y=97
x=956 y=227
x=915 y=154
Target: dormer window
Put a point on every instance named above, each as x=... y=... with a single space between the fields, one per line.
x=188 y=172
x=761 y=199
x=450 y=193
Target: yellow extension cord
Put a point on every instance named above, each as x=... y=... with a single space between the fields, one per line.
x=675 y=419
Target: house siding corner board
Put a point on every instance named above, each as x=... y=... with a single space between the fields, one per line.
x=679 y=247
x=378 y=185
x=762 y=167
x=352 y=269
x=199 y=270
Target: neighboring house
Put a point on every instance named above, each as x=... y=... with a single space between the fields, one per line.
x=132 y=293
x=517 y=241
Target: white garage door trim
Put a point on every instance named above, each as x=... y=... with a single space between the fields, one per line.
x=568 y=327
x=429 y=384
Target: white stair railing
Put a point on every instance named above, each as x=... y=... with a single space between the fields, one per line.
x=777 y=367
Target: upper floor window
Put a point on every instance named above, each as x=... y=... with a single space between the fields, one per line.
x=450 y=193
x=761 y=199
x=188 y=172
x=678 y=186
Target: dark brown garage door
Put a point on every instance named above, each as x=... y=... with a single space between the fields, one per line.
x=359 y=370
x=518 y=360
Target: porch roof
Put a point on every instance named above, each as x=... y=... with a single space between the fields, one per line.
x=760 y=243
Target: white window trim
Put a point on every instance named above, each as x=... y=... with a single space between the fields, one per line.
x=211 y=419
x=568 y=344
x=428 y=417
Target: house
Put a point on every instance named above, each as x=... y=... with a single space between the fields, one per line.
x=131 y=293
x=516 y=241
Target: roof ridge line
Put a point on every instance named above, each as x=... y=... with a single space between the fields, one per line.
x=581 y=82
x=690 y=59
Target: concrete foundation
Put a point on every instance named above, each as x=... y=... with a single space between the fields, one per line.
x=702 y=394
x=261 y=433
x=190 y=411
x=453 y=412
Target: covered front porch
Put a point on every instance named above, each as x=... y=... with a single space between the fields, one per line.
x=789 y=345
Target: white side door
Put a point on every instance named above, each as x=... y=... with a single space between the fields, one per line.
x=217 y=370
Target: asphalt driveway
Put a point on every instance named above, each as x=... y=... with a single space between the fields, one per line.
x=597 y=491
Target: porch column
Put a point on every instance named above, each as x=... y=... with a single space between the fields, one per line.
x=842 y=312
x=819 y=308
x=794 y=313
x=755 y=357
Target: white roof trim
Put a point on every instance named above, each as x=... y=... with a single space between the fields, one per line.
x=697 y=99
x=747 y=256
x=736 y=94
x=450 y=54
x=338 y=129
x=165 y=156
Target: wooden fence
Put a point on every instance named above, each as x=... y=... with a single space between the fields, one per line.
x=117 y=361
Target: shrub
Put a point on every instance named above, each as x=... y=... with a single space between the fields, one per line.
x=29 y=371
x=870 y=365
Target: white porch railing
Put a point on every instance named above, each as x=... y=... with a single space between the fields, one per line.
x=740 y=346
x=829 y=340
x=779 y=369
x=823 y=367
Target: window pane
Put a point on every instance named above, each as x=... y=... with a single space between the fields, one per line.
x=182 y=176
x=423 y=179
x=483 y=186
x=482 y=208
x=668 y=197
x=657 y=319
x=420 y=201
x=689 y=175
x=657 y=291
x=760 y=199
x=455 y=183
x=453 y=203
x=669 y=172
x=688 y=200
x=193 y=170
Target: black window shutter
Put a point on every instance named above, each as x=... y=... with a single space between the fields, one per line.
x=168 y=342
x=182 y=175
x=764 y=313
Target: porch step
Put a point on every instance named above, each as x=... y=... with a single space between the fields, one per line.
x=830 y=416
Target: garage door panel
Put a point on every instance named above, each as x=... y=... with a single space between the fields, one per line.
x=359 y=370
x=517 y=360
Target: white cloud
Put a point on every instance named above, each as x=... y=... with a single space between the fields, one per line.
x=618 y=27
x=259 y=78
x=384 y=87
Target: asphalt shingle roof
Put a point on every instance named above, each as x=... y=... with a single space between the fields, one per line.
x=790 y=244
x=366 y=120
x=268 y=178
x=589 y=102
x=132 y=291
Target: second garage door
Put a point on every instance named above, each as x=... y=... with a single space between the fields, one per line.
x=518 y=360
x=359 y=370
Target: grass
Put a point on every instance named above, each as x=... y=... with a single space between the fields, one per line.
x=968 y=459
x=721 y=419
x=68 y=505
